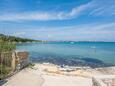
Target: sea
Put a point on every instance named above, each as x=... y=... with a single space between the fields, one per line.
x=93 y=54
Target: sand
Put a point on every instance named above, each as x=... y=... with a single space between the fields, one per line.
x=66 y=81
x=50 y=75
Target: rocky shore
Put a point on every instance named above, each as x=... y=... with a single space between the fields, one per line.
x=53 y=75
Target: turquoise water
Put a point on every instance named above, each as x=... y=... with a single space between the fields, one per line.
x=72 y=53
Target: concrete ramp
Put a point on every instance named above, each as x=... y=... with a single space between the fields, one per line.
x=25 y=78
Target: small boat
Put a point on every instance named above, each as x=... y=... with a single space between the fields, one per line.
x=72 y=42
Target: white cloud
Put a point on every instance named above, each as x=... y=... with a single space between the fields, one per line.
x=94 y=7
x=98 y=32
x=107 y=26
x=79 y=29
x=78 y=10
x=18 y=33
x=103 y=8
x=44 y=16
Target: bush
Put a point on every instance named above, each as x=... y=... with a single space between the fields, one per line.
x=31 y=65
x=4 y=71
x=6 y=49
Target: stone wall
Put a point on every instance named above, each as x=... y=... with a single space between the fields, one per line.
x=20 y=59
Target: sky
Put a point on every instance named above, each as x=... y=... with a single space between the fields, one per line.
x=71 y=20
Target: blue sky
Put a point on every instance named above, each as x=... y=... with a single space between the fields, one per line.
x=77 y=20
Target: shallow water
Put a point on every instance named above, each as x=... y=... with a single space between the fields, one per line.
x=93 y=54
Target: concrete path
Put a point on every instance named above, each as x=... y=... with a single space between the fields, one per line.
x=66 y=81
x=25 y=78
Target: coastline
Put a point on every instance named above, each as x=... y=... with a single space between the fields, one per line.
x=47 y=74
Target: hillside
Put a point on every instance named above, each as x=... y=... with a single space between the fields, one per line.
x=16 y=39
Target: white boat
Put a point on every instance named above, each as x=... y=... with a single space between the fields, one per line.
x=72 y=42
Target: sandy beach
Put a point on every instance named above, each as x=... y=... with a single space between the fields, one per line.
x=52 y=75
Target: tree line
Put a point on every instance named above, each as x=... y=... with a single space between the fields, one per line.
x=16 y=39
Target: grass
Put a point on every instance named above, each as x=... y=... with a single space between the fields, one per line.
x=31 y=65
x=6 y=49
x=4 y=71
